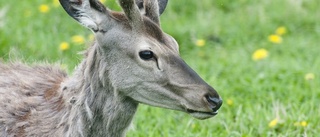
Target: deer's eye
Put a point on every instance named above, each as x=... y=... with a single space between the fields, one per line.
x=146 y=54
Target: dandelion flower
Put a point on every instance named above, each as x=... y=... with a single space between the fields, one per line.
x=102 y=1
x=200 y=42
x=43 y=8
x=281 y=30
x=273 y=123
x=77 y=39
x=229 y=102
x=56 y=3
x=260 y=54
x=275 y=39
x=309 y=76
x=64 y=46
x=302 y=124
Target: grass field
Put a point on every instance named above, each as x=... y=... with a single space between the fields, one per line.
x=263 y=57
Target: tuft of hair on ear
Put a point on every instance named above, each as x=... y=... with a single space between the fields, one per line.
x=86 y=12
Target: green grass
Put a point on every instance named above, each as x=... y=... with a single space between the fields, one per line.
x=260 y=90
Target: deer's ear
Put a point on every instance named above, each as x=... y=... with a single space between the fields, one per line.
x=87 y=12
x=161 y=3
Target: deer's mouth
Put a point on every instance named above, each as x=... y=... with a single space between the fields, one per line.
x=201 y=114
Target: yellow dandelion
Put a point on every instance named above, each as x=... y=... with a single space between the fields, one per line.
x=77 y=39
x=273 y=123
x=229 y=102
x=200 y=42
x=55 y=3
x=102 y=1
x=309 y=76
x=302 y=124
x=43 y=8
x=281 y=30
x=275 y=39
x=260 y=54
x=64 y=46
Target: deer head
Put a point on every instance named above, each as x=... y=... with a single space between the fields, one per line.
x=142 y=62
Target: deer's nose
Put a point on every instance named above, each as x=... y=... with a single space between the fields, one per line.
x=215 y=102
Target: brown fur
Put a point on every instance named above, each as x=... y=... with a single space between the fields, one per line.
x=29 y=88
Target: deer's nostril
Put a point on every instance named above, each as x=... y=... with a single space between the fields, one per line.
x=215 y=102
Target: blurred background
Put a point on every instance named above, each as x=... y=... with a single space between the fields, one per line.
x=261 y=56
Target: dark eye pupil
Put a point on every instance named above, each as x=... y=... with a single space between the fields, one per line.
x=146 y=55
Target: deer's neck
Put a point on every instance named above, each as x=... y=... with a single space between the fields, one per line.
x=96 y=108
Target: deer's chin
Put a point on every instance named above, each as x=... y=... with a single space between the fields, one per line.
x=202 y=115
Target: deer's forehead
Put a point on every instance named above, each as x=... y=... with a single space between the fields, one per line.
x=150 y=36
x=150 y=28
x=153 y=30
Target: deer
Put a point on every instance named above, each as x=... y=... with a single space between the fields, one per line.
x=131 y=62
